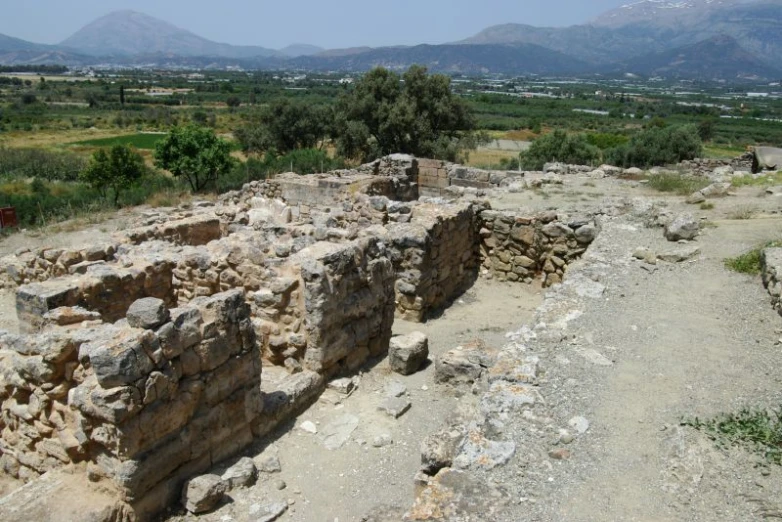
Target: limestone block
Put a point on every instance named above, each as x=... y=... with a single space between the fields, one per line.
x=182 y=332
x=407 y=353
x=464 y=364
x=147 y=313
x=440 y=449
x=684 y=226
x=121 y=357
x=203 y=494
x=241 y=474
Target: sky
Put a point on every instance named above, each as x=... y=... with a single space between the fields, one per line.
x=327 y=23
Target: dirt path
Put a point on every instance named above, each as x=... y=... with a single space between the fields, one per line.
x=690 y=340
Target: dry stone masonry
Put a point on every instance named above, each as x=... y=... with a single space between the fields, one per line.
x=146 y=362
x=520 y=247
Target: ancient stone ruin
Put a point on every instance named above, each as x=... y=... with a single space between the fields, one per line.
x=145 y=362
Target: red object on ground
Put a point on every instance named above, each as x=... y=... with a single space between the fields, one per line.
x=8 y=217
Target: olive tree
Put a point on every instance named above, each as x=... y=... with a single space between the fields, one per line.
x=416 y=113
x=286 y=125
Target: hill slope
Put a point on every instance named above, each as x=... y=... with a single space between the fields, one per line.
x=295 y=50
x=467 y=59
x=720 y=57
x=131 y=33
x=9 y=43
x=655 y=26
x=660 y=11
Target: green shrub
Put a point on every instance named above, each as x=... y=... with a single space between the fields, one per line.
x=759 y=430
x=37 y=163
x=562 y=147
x=606 y=141
x=677 y=183
x=749 y=262
x=302 y=161
x=657 y=146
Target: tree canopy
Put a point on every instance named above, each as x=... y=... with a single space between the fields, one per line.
x=416 y=113
x=286 y=125
x=196 y=154
x=383 y=113
x=118 y=169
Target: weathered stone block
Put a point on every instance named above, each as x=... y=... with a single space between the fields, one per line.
x=407 y=353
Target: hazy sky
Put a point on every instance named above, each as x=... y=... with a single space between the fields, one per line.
x=328 y=23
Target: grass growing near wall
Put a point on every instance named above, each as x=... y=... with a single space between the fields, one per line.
x=761 y=181
x=749 y=262
x=760 y=431
x=676 y=183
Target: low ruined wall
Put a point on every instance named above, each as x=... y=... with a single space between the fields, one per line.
x=519 y=247
x=223 y=265
x=31 y=266
x=146 y=408
x=435 y=257
x=771 y=269
x=436 y=176
x=197 y=230
x=42 y=264
x=106 y=289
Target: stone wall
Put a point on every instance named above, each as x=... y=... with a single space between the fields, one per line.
x=31 y=266
x=348 y=295
x=108 y=289
x=435 y=257
x=520 y=247
x=771 y=269
x=146 y=408
x=436 y=176
x=196 y=230
x=707 y=166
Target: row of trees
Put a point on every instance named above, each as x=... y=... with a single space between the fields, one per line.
x=415 y=113
x=192 y=153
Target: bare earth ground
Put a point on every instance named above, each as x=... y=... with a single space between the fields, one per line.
x=687 y=340
x=663 y=343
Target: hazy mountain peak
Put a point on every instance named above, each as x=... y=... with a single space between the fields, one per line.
x=129 y=32
x=299 y=49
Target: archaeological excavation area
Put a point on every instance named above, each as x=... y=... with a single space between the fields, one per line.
x=408 y=340
x=141 y=364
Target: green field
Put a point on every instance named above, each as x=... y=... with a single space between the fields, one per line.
x=140 y=141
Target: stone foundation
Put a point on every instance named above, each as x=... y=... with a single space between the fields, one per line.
x=520 y=247
x=106 y=289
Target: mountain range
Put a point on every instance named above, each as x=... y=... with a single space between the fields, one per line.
x=695 y=39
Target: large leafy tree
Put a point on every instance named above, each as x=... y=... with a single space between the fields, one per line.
x=196 y=154
x=118 y=170
x=286 y=125
x=416 y=113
